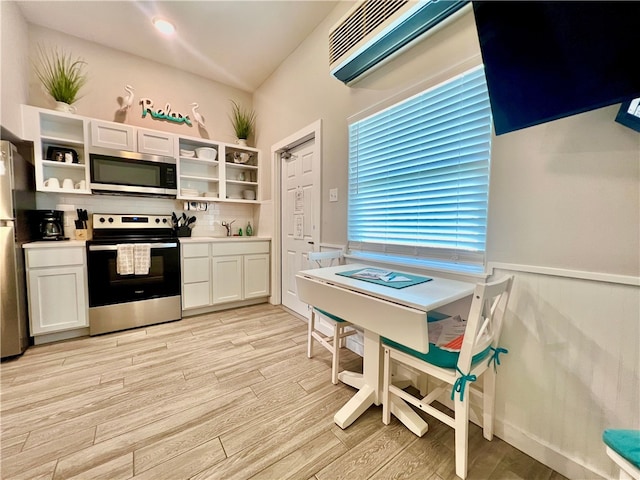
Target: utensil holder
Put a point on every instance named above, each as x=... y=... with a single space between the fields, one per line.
x=184 y=232
x=81 y=234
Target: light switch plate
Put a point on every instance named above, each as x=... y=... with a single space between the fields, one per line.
x=333 y=194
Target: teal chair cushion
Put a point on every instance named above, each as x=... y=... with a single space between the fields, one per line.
x=327 y=314
x=436 y=356
x=625 y=443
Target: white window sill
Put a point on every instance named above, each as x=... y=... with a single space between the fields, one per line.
x=421 y=265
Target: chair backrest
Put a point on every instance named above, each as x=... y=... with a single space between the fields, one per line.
x=484 y=324
x=325 y=259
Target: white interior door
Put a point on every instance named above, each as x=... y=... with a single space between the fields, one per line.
x=300 y=204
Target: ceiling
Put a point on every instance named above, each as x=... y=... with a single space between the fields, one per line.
x=236 y=42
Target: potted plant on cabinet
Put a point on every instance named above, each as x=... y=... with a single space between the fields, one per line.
x=62 y=76
x=243 y=121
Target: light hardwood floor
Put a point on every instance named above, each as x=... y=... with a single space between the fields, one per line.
x=228 y=395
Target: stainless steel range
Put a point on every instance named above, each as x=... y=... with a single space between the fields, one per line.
x=134 y=272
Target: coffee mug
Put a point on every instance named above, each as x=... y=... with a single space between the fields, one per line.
x=52 y=182
x=81 y=185
x=67 y=183
x=68 y=157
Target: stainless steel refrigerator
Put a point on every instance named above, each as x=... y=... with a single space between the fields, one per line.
x=17 y=195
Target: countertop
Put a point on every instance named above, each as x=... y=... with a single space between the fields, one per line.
x=81 y=243
x=223 y=239
x=55 y=244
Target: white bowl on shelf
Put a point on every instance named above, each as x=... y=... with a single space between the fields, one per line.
x=207 y=153
x=187 y=153
x=249 y=194
x=241 y=157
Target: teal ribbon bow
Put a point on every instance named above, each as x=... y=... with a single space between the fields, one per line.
x=495 y=357
x=461 y=383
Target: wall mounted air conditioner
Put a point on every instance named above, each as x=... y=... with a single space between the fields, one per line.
x=373 y=31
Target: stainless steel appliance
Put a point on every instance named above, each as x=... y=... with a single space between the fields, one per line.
x=17 y=195
x=47 y=225
x=121 y=299
x=131 y=173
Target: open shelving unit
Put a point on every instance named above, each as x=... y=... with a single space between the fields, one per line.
x=232 y=176
x=49 y=129
x=222 y=179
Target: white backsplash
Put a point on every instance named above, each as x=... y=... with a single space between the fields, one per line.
x=208 y=222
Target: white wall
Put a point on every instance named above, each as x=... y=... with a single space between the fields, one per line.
x=564 y=206
x=567 y=194
x=14 y=70
x=109 y=70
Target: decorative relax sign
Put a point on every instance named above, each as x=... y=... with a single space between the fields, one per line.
x=162 y=114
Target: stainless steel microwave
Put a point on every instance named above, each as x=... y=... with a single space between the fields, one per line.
x=131 y=173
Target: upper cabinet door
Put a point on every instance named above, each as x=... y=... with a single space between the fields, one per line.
x=113 y=135
x=155 y=143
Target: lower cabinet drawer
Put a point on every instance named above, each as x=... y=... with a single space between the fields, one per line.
x=54 y=257
x=195 y=295
x=195 y=250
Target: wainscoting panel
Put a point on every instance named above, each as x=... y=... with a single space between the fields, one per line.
x=571 y=372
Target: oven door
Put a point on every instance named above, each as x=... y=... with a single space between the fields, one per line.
x=107 y=287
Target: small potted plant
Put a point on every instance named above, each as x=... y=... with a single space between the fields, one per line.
x=62 y=76
x=243 y=121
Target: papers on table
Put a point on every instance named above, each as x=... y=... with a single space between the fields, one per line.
x=380 y=274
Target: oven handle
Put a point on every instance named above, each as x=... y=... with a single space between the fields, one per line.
x=101 y=248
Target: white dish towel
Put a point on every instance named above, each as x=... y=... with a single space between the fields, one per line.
x=124 y=259
x=142 y=260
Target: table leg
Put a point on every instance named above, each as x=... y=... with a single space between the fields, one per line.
x=355 y=407
x=369 y=383
x=353 y=379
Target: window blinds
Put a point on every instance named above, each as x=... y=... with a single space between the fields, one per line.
x=419 y=174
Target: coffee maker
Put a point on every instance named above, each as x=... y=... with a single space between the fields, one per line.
x=47 y=224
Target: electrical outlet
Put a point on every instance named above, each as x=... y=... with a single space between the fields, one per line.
x=333 y=194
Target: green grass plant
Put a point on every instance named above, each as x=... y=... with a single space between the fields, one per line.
x=243 y=121
x=61 y=75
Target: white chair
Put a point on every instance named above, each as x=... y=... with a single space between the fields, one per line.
x=623 y=447
x=478 y=355
x=334 y=342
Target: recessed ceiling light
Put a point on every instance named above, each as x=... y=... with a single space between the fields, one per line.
x=164 y=26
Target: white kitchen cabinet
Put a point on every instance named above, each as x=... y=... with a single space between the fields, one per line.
x=227 y=279
x=155 y=142
x=232 y=176
x=116 y=136
x=256 y=275
x=196 y=284
x=224 y=273
x=57 y=289
x=52 y=133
